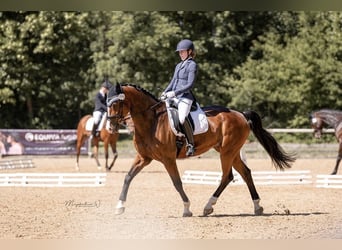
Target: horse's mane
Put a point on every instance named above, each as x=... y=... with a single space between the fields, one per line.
x=141 y=89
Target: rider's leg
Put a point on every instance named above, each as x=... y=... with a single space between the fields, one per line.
x=184 y=107
x=97 y=118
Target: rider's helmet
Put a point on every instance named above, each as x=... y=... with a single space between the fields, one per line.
x=106 y=85
x=185 y=44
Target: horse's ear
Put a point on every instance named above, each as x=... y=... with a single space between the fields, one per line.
x=118 y=88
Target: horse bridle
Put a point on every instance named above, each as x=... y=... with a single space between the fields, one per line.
x=119 y=115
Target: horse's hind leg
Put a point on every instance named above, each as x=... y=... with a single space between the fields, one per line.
x=245 y=173
x=227 y=177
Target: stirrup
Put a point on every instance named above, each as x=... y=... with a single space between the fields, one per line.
x=190 y=150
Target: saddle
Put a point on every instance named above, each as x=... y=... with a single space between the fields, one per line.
x=197 y=118
x=90 y=123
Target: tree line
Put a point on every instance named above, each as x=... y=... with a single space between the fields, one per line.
x=282 y=64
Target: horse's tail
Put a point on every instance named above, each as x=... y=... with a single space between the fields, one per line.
x=279 y=157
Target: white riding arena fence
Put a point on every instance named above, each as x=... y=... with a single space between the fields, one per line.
x=259 y=177
x=52 y=179
x=301 y=177
x=17 y=163
x=329 y=181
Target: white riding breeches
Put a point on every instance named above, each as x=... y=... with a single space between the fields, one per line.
x=184 y=106
x=97 y=117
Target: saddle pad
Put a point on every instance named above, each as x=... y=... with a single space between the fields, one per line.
x=90 y=123
x=199 y=119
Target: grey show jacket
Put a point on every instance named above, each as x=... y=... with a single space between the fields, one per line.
x=183 y=79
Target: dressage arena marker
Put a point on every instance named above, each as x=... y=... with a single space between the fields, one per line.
x=53 y=179
x=18 y=163
x=259 y=177
x=329 y=181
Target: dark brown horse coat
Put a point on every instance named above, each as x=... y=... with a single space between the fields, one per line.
x=329 y=118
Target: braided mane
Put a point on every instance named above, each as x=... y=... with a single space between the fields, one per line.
x=141 y=89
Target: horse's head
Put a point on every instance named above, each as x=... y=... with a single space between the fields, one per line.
x=117 y=112
x=317 y=125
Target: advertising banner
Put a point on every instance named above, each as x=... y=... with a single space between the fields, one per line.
x=39 y=142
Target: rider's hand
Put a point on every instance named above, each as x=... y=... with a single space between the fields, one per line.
x=167 y=95
x=170 y=94
x=163 y=96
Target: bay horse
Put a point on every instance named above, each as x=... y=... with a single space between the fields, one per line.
x=154 y=140
x=107 y=137
x=328 y=118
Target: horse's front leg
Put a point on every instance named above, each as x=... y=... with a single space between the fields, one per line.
x=339 y=157
x=95 y=143
x=336 y=165
x=173 y=172
x=115 y=155
x=106 y=154
x=138 y=164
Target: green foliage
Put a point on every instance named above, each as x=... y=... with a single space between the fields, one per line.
x=295 y=74
x=44 y=58
x=284 y=65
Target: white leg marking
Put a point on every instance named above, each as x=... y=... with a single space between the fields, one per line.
x=208 y=209
x=120 y=207
x=258 y=210
x=187 y=212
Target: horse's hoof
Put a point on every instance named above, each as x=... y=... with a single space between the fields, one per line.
x=259 y=211
x=207 y=211
x=187 y=214
x=120 y=210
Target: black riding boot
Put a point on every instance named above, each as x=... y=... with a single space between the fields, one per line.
x=187 y=129
x=94 y=132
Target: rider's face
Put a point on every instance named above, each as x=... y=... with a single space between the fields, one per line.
x=183 y=54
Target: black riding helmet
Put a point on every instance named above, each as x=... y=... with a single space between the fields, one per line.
x=106 y=85
x=185 y=44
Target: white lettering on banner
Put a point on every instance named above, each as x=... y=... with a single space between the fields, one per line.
x=46 y=137
x=39 y=141
x=69 y=137
x=49 y=137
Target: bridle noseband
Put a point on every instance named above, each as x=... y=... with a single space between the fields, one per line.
x=119 y=115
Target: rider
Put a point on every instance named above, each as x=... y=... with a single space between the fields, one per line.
x=179 y=89
x=100 y=106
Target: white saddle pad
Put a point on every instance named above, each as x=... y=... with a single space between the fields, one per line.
x=199 y=118
x=90 y=123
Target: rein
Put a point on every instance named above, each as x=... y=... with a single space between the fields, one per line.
x=120 y=116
